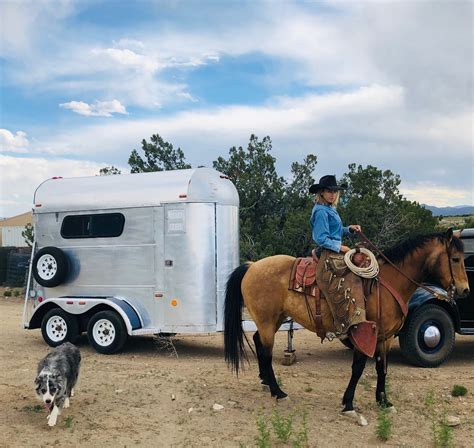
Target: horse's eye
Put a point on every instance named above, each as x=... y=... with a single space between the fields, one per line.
x=456 y=259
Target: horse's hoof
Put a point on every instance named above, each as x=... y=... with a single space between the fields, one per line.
x=265 y=387
x=280 y=396
x=392 y=410
x=358 y=418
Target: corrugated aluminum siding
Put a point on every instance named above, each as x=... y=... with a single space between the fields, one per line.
x=11 y=236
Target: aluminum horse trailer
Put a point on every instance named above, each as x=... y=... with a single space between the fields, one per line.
x=131 y=254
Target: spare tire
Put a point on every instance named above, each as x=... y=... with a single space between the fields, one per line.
x=50 y=267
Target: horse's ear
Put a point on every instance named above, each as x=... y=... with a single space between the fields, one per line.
x=449 y=234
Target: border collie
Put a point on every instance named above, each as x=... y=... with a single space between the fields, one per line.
x=57 y=376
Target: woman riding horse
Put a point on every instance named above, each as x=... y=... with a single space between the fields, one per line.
x=342 y=289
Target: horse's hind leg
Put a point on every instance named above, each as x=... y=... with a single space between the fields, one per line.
x=358 y=366
x=265 y=356
x=261 y=366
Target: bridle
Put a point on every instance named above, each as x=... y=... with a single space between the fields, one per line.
x=452 y=285
x=440 y=296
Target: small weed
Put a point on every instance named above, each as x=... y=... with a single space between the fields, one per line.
x=443 y=434
x=365 y=383
x=429 y=400
x=302 y=435
x=279 y=381
x=309 y=389
x=458 y=391
x=165 y=343
x=282 y=426
x=7 y=293
x=383 y=429
x=36 y=409
x=263 y=438
x=16 y=292
x=68 y=421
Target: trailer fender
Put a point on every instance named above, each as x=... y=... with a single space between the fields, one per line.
x=88 y=305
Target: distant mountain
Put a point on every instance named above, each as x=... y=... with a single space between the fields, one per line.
x=450 y=211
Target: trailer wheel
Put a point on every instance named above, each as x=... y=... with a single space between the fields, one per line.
x=50 y=267
x=107 y=332
x=58 y=326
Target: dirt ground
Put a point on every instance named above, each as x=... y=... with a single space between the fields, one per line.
x=146 y=396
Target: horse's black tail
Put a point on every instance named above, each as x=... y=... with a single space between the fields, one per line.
x=234 y=349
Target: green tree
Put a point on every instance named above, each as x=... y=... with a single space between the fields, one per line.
x=295 y=230
x=373 y=200
x=469 y=223
x=260 y=190
x=28 y=234
x=109 y=170
x=160 y=155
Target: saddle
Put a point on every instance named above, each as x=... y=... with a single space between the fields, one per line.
x=303 y=275
x=303 y=280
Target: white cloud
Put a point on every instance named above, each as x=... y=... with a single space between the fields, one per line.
x=370 y=125
x=99 y=109
x=444 y=195
x=22 y=23
x=13 y=142
x=21 y=176
x=129 y=58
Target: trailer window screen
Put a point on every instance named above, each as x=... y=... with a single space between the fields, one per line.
x=93 y=226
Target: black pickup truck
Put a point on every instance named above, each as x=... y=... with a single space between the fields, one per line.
x=427 y=338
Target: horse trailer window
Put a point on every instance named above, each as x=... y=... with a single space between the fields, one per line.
x=93 y=226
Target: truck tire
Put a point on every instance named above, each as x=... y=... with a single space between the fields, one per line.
x=428 y=339
x=107 y=332
x=58 y=326
x=50 y=267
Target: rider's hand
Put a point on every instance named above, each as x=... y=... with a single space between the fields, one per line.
x=344 y=249
x=355 y=228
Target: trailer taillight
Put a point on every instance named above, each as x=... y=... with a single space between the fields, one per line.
x=40 y=299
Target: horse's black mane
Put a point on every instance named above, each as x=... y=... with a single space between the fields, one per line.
x=404 y=248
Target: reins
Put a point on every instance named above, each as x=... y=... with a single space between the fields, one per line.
x=436 y=294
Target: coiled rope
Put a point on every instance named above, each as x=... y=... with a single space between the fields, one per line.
x=370 y=271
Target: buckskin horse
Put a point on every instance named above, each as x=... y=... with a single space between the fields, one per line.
x=263 y=287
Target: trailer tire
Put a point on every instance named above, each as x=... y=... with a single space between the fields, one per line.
x=58 y=326
x=50 y=267
x=107 y=332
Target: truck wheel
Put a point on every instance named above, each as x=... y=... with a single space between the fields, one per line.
x=50 y=267
x=58 y=326
x=428 y=339
x=107 y=332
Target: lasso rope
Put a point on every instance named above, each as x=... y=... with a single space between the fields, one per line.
x=370 y=271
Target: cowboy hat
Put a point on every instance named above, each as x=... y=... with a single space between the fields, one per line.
x=327 y=183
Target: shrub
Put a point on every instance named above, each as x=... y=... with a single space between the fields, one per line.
x=458 y=391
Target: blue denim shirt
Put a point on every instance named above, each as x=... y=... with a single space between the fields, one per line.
x=327 y=228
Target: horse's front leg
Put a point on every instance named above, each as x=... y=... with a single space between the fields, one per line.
x=358 y=365
x=381 y=365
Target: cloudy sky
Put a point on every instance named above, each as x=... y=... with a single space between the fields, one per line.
x=383 y=83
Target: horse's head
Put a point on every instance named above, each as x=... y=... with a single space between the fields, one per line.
x=446 y=264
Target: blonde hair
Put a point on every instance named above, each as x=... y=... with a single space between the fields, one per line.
x=318 y=199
